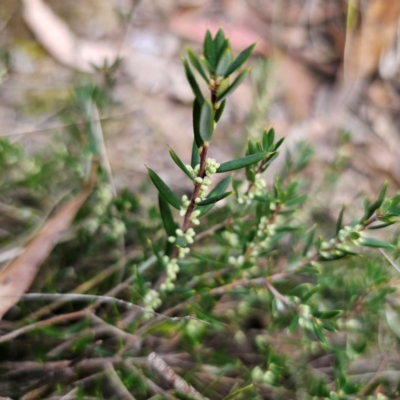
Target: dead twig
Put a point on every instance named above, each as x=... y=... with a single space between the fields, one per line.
x=171 y=376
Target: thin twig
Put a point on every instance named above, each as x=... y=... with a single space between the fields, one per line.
x=54 y=320
x=102 y=299
x=121 y=391
x=171 y=376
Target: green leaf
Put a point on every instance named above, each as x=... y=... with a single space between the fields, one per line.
x=329 y=314
x=192 y=81
x=180 y=242
x=223 y=62
x=239 y=60
x=370 y=242
x=294 y=323
x=219 y=41
x=250 y=175
x=206 y=126
x=220 y=188
x=179 y=163
x=196 y=123
x=140 y=282
x=214 y=199
x=197 y=64
x=251 y=147
x=238 y=392
x=219 y=111
x=340 y=219
x=278 y=144
x=311 y=293
x=242 y=162
x=240 y=78
x=209 y=51
x=158 y=255
x=165 y=191
x=309 y=241
x=375 y=205
x=319 y=334
x=166 y=215
x=328 y=326
x=195 y=155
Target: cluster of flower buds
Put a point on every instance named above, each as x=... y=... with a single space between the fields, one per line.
x=237 y=262
x=259 y=185
x=152 y=300
x=172 y=268
x=264 y=228
x=188 y=235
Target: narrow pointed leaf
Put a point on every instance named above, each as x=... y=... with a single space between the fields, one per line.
x=219 y=111
x=197 y=64
x=265 y=140
x=278 y=144
x=219 y=40
x=196 y=123
x=220 y=188
x=271 y=136
x=140 y=282
x=209 y=51
x=319 y=334
x=195 y=155
x=206 y=121
x=234 y=85
x=375 y=205
x=192 y=81
x=309 y=241
x=339 y=221
x=370 y=242
x=239 y=60
x=157 y=254
x=165 y=191
x=223 y=62
x=214 y=199
x=242 y=162
x=179 y=163
x=238 y=392
x=166 y=215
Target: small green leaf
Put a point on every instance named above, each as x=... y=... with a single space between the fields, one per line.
x=242 y=162
x=192 y=81
x=227 y=92
x=311 y=293
x=329 y=314
x=206 y=126
x=180 y=242
x=370 y=242
x=328 y=326
x=219 y=111
x=319 y=334
x=223 y=62
x=219 y=41
x=158 y=255
x=250 y=175
x=220 y=188
x=238 y=392
x=374 y=206
x=195 y=155
x=209 y=51
x=165 y=191
x=197 y=64
x=251 y=147
x=179 y=163
x=196 y=123
x=140 y=282
x=340 y=219
x=239 y=60
x=294 y=323
x=214 y=199
x=309 y=241
x=278 y=144
x=166 y=215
